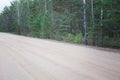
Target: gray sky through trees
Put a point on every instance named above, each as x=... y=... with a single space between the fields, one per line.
x=4 y=3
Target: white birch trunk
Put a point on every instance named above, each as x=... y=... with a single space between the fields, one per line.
x=101 y=16
x=45 y=6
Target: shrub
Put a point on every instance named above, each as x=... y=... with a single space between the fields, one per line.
x=73 y=38
x=78 y=38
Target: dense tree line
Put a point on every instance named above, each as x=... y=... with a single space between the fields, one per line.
x=93 y=22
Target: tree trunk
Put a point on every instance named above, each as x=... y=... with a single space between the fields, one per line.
x=28 y=14
x=93 y=23
x=18 y=15
x=45 y=6
x=85 y=23
x=52 y=13
x=101 y=24
x=71 y=21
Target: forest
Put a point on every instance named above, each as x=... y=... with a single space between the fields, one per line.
x=89 y=22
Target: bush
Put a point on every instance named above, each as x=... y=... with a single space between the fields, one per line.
x=33 y=34
x=112 y=42
x=78 y=38
x=73 y=38
x=68 y=38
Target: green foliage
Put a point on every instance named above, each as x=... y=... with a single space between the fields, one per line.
x=73 y=38
x=112 y=42
x=68 y=38
x=63 y=20
x=43 y=26
x=78 y=38
x=2 y=29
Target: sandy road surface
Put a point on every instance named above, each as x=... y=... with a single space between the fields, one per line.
x=23 y=58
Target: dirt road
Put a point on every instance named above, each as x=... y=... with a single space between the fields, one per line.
x=23 y=58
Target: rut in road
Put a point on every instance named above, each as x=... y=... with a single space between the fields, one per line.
x=23 y=58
